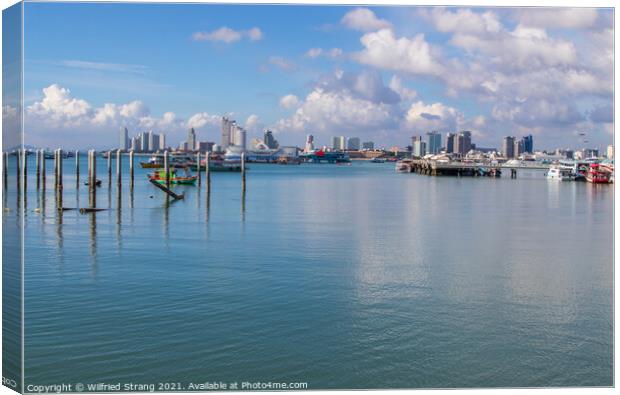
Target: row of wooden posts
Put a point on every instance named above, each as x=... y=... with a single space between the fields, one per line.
x=41 y=173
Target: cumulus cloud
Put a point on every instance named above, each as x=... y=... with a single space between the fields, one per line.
x=364 y=20
x=463 y=20
x=202 y=119
x=227 y=35
x=282 y=63
x=549 y=18
x=422 y=117
x=289 y=101
x=411 y=55
x=253 y=123
x=59 y=107
x=333 y=53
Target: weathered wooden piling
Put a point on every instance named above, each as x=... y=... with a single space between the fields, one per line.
x=18 y=158
x=55 y=169
x=167 y=169
x=59 y=169
x=243 y=171
x=38 y=167
x=198 y=168
x=118 y=168
x=131 y=168
x=43 y=169
x=25 y=172
x=77 y=169
x=109 y=168
x=208 y=172
x=5 y=168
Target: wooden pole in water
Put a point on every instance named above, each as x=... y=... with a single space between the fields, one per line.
x=131 y=168
x=5 y=167
x=77 y=169
x=110 y=168
x=167 y=169
x=118 y=168
x=38 y=167
x=43 y=169
x=198 y=168
x=60 y=169
x=18 y=156
x=208 y=171
x=56 y=169
x=243 y=170
x=25 y=161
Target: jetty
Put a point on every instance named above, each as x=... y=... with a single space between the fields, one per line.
x=434 y=167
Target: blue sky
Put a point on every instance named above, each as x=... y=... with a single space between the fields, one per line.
x=380 y=73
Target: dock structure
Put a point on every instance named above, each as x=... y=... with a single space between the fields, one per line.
x=433 y=167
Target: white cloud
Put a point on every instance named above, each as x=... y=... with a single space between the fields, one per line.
x=422 y=117
x=555 y=17
x=227 y=35
x=314 y=53
x=100 y=66
x=202 y=119
x=282 y=63
x=405 y=93
x=289 y=101
x=412 y=55
x=333 y=53
x=58 y=106
x=364 y=20
x=463 y=20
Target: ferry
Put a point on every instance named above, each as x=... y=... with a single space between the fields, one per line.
x=160 y=177
x=559 y=173
x=229 y=162
x=325 y=156
x=598 y=175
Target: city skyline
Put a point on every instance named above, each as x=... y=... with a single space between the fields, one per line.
x=382 y=74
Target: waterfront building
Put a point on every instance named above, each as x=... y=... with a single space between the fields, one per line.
x=228 y=129
x=124 y=139
x=183 y=146
x=368 y=145
x=144 y=143
x=518 y=148
x=309 y=143
x=240 y=137
x=419 y=148
x=433 y=142
x=204 y=146
x=449 y=143
x=162 y=141
x=508 y=147
x=353 y=143
x=191 y=139
x=153 y=141
x=135 y=144
x=269 y=140
x=610 y=152
x=528 y=144
x=462 y=142
x=338 y=143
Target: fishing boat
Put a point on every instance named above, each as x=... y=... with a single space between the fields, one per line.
x=154 y=162
x=404 y=166
x=378 y=160
x=160 y=177
x=560 y=173
x=598 y=175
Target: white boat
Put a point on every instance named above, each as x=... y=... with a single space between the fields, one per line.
x=559 y=173
x=404 y=166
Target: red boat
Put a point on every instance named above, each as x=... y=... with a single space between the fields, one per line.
x=597 y=175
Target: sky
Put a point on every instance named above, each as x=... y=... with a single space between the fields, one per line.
x=383 y=74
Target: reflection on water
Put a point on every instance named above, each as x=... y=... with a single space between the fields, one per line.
x=347 y=277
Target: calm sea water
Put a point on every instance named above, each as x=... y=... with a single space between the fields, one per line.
x=338 y=276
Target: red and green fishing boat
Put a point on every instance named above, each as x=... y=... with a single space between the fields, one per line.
x=160 y=177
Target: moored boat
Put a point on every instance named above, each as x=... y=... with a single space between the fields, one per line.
x=598 y=175
x=559 y=173
x=160 y=177
x=404 y=166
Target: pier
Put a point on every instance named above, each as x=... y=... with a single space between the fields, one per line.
x=456 y=168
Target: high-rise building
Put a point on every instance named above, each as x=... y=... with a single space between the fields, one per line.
x=240 y=137
x=528 y=144
x=124 y=139
x=353 y=143
x=449 y=143
x=338 y=143
x=508 y=147
x=462 y=142
x=433 y=142
x=229 y=127
x=269 y=140
x=369 y=145
x=153 y=141
x=419 y=148
x=610 y=152
x=205 y=146
x=135 y=144
x=162 y=141
x=309 y=143
x=144 y=142
x=518 y=148
x=414 y=139
x=191 y=139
